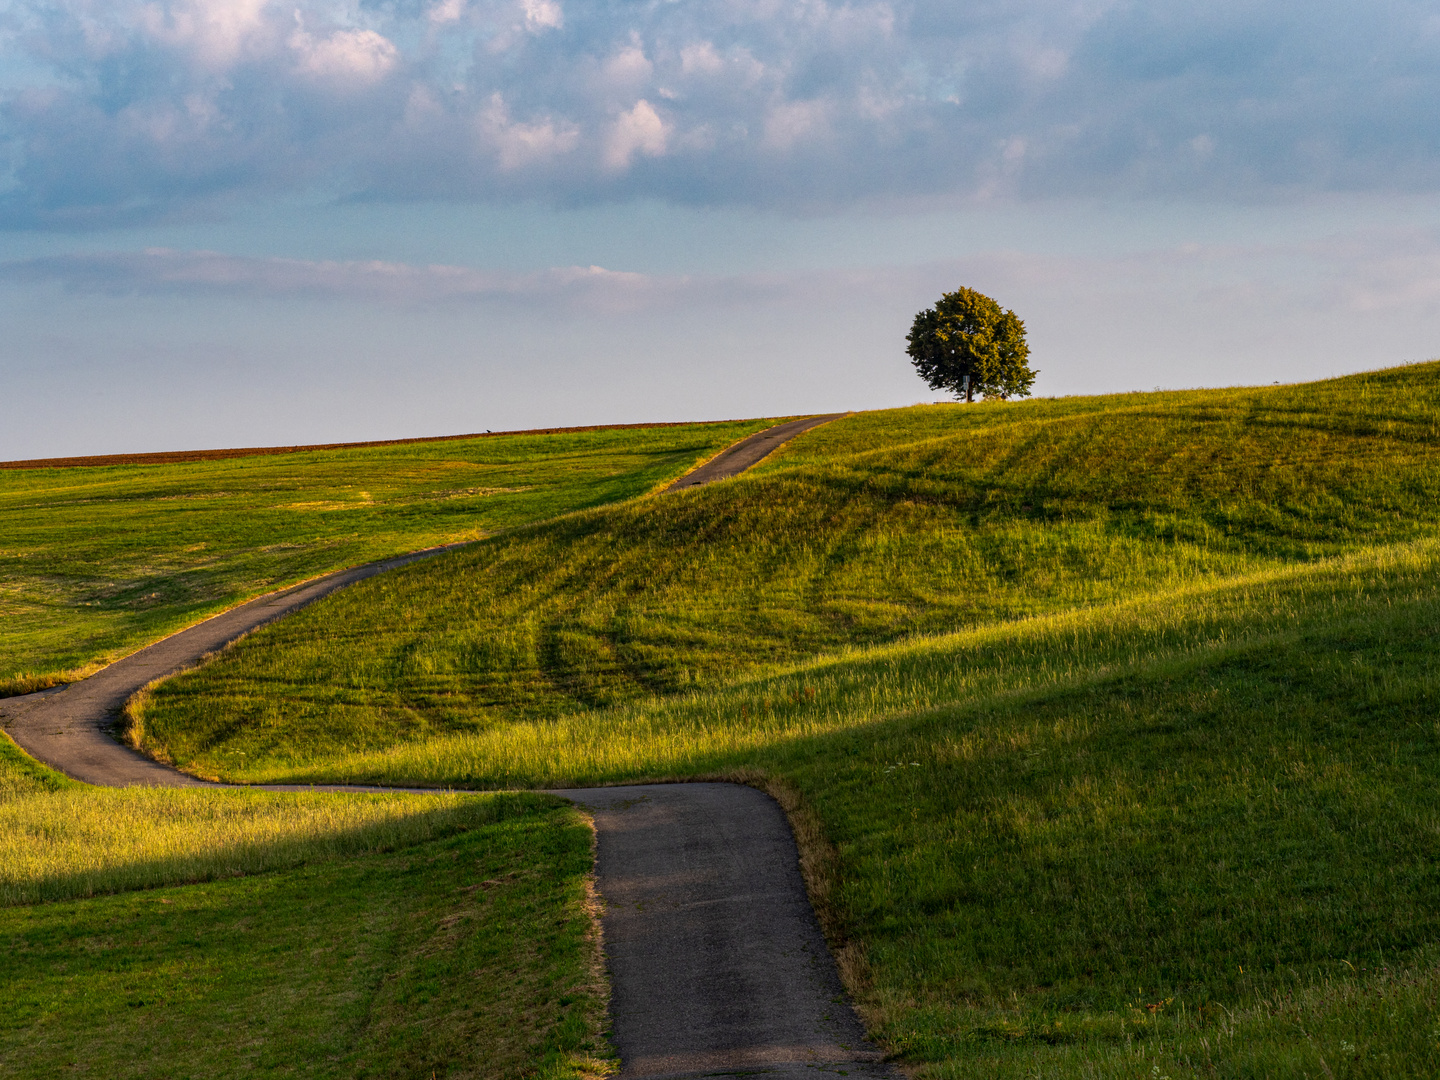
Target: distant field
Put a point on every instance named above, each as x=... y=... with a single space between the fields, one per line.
x=97 y=561
x=1109 y=724
x=221 y=933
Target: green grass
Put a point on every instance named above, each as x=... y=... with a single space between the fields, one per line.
x=1109 y=726
x=869 y=530
x=221 y=933
x=98 y=561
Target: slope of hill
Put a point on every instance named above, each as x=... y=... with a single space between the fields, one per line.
x=870 y=529
x=99 y=560
x=1107 y=725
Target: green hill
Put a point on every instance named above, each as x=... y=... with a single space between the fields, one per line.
x=1108 y=725
x=868 y=530
x=100 y=560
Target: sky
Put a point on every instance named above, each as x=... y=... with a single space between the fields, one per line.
x=273 y=222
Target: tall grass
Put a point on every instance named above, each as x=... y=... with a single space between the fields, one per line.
x=226 y=932
x=702 y=732
x=885 y=526
x=1196 y=833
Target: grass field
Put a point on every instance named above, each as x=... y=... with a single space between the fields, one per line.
x=1109 y=725
x=220 y=933
x=97 y=561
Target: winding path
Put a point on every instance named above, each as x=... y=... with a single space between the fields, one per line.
x=68 y=727
x=717 y=963
x=749 y=452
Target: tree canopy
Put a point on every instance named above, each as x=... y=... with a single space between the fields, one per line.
x=967 y=334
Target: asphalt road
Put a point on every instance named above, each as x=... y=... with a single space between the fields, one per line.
x=69 y=727
x=717 y=965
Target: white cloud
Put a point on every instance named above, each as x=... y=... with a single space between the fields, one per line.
x=353 y=55
x=447 y=11
x=628 y=67
x=542 y=15
x=518 y=144
x=808 y=104
x=157 y=271
x=793 y=121
x=700 y=58
x=640 y=130
x=216 y=32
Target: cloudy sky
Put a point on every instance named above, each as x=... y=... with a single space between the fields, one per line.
x=274 y=221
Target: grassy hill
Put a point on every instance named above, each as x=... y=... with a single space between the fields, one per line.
x=97 y=561
x=223 y=933
x=1108 y=725
x=871 y=529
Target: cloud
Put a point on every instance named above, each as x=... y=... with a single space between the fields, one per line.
x=638 y=130
x=162 y=271
x=133 y=107
x=1361 y=274
x=542 y=15
x=213 y=32
x=360 y=55
x=517 y=145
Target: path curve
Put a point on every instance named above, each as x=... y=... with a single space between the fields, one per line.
x=717 y=962
x=749 y=452
x=68 y=727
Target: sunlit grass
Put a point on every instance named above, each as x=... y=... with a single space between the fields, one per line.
x=706 y=731
x=871 y=529
x=1218 y=802
x=83 y=841
x=201 y=932
x=1109 y=724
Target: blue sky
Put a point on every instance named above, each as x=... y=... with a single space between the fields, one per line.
x=248 y=222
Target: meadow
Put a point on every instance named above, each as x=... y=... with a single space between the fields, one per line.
x=96 y=561
x=1108 y=726
x=216 y=933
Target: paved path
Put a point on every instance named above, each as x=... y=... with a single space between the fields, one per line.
x=749 y=452
x=68 y=727
x=717 y=965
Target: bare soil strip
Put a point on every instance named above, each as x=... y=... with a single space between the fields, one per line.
x=717 y=963
x=171 y=457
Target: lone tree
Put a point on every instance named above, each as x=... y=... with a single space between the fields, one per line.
x=966 y=334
